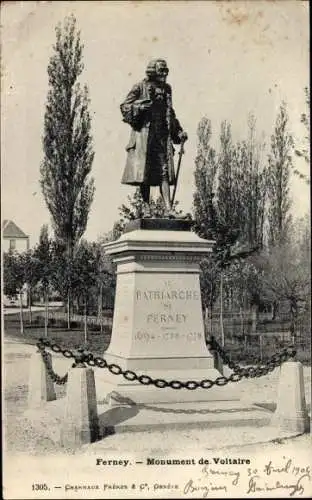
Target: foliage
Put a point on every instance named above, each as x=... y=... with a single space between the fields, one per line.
x=43 y=254
x=230 y=190
x=13 y=274
x=244 y=277
x=89 y=275
x=287 y=279
x=134 y=209
x=229 y=204
x=250 y=176
x=209 y=281
x=280 y=163
x=205 y=183
x=62 y=269
x=84 y=270
x=304 y=151
x=68 y=154
x=31 y=270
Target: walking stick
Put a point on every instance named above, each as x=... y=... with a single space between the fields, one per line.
x=181 y=153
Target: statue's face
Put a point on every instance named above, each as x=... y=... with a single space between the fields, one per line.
x=161 y=72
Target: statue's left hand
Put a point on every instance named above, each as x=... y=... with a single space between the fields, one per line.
x=183 y=136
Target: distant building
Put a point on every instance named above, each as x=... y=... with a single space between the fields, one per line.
x=13 y=238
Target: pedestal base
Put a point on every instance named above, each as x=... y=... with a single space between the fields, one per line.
x=117 y=390
x=158 y=327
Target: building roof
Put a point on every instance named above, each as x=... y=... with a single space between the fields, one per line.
x=11 y=230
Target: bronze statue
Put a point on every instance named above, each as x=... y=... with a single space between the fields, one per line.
x=148 y=109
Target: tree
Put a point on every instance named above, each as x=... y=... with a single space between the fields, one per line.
x=205 y=182
x=62 y=273
x=280 y=163
x=217 y=204
x=14 y=279
x=65 y=180
x=250 y=175
x=286 y=279
x=304 y=151
x=43 y=252
x=229 y=203
x=205 y=211
x=209 y=285
x=105 y=280
x=31 y=270
x=84 y=276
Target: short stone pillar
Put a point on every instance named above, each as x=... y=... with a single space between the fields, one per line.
x=40 y=386
x=291 y=413
x=81 y=423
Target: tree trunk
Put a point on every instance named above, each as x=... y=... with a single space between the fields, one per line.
x=85 y=321
x=46 y=312
x=293 y=316
x=210 y=319
x=21 y=311
x=206 y=320
x=221 y=310
x=69 y=249
x=254 y=318
x=100 y=307
x=274 y=310
x=68 y=310
x=29 y=306
x=261 y=347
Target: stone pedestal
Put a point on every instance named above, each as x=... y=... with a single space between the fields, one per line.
x=291 y=413
x=158 y=326
x=80 y=424
x=41 y=386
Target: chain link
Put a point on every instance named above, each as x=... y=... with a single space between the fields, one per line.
x=83 y=357
x=251 y=371
x=47 y=361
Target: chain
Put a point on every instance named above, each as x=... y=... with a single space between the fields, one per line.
x=47 y=361
x=259 y=370
x=83 y=357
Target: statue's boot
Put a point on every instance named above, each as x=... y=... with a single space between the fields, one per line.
x=169 y=213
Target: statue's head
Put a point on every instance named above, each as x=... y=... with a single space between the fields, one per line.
x=157 y=70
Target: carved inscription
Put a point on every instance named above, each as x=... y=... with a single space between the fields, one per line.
x=149 y=337
x=160 y=318
x=167 y=295
x=168 y=313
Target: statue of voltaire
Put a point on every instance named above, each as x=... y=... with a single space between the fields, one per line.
x=155 y=128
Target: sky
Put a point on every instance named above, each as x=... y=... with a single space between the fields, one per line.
x=226 y=60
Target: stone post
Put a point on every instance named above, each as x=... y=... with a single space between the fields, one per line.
x=291 y=412
x=80 y=424
x=41 y=386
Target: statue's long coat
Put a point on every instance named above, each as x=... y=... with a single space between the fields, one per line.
x=150 y=150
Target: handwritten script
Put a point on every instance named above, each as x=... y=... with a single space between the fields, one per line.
x=284 y=476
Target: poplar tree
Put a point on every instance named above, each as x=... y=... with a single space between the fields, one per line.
x=67 y=187
x=251 y=176
x=280 y=164
x=65 y=180
x=304 y=150
x=43 y=252
x=228 y=205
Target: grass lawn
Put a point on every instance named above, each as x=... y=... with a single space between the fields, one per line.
x=97 y=341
